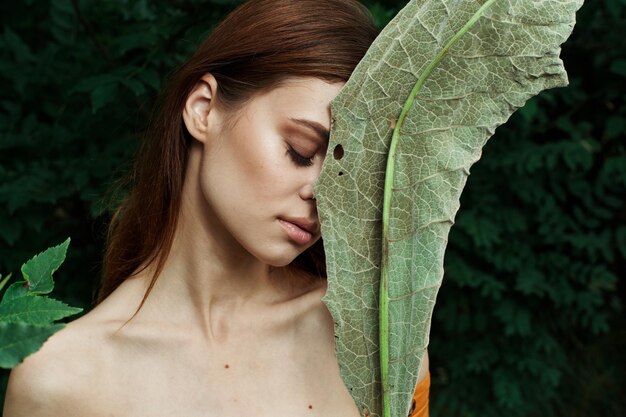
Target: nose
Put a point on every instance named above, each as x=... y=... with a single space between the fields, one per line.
x=306 y=192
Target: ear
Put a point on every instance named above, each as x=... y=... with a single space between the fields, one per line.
x=199 y=103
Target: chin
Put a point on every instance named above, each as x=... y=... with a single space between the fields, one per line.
x=279 y=262
x=281 y=259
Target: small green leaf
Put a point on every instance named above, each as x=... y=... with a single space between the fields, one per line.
x=150 y=77
x=14 y=43
x=614 y=127
x=18 y=340
x=102 y=95
x=35 y=310
x=90 y=83
x=134 y=85
x=138 y=40
x=618 y=67
x=529 y=111
x=38 y=271
x=4 y=281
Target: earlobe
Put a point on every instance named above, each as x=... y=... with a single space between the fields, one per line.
x=200 y=102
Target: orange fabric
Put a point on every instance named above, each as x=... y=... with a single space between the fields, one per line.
x=419 y=405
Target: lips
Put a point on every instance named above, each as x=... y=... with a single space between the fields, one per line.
x=300 y=230
x=303 y=223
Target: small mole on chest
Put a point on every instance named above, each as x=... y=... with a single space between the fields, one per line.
x=227 y=366
x=310 y=407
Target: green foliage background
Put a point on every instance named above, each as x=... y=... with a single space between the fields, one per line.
x=530 y=318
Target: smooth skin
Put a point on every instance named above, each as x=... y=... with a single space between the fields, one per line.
x=228 y=329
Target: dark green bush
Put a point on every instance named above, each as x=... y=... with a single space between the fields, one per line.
x=530 y=319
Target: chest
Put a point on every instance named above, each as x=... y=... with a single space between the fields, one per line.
x=278 y=377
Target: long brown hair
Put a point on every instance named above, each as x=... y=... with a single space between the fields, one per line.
x=255 y=47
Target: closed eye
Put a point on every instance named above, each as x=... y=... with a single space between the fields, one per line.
x=299 y=159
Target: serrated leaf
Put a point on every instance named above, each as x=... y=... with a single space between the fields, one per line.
x=15 y=290
x=38 y=271
x=18 y=340
x=457 y=81
x=35 y=310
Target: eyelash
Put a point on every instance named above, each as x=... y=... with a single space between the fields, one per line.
x=297 y=158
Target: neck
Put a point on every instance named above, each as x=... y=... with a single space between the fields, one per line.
x=209 y=281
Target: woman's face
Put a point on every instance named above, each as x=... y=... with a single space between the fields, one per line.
x=257 y=177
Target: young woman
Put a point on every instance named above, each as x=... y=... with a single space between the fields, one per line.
x=214 y=271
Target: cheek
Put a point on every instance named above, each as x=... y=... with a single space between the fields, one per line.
x=261 y=165
x=246 y=171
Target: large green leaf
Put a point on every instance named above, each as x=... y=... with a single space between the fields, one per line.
x=460 y=68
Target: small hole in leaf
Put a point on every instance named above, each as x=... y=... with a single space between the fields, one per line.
x=340 y=173
x=338 y=152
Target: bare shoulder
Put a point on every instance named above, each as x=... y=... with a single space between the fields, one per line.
x=319 y=321
x=310 y=296
x=313 y=317
x=50 y=382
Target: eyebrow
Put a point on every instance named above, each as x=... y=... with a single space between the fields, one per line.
x=316 y=127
